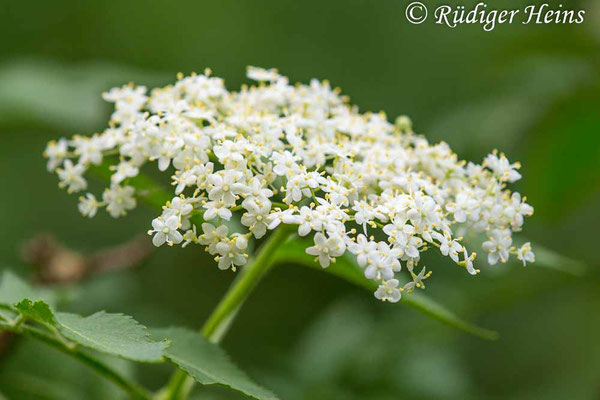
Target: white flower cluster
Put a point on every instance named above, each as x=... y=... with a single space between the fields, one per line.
x=297 y=154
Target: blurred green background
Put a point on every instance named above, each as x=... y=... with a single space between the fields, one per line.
x=532 y=91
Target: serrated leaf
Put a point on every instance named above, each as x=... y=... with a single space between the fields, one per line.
x=345 y=267
x=115 y=334
x=38 y=311
x=207 y=363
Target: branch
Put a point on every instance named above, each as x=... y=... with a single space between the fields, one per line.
x=56 y=263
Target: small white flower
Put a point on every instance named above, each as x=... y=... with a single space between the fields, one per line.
x=517 y=210
x=296 y=190
x=412 y=246
x=225 y=187
x=190 y=236
x=388 y=291
x=167 y=150
x=498 y=246
x=308 y=220
x=165 y=230
x=183 y=179
x=123 y=171
x=362 y=248
x=448 y=246
x=257 y=220
x=422 y=210
x=279 y=216
x=399 y=231
x=89 y=150
x=257 y=195
x=417 y=280
x=119 y=199
x=261 y=74
x=212 y=235
x=56 y=152
x=502 y=167
x=326 y=249
x=216 y=209
x=128 y=94
x=525 y=254
x=178 y=206
x=378 y=270
x=88 y=205
x=469 y=262
x=364 y=214
x=231 y=252
x=463 y=207
x=285 y=163
x=71 y=176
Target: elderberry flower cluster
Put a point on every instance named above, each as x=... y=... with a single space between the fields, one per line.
x=276 y=153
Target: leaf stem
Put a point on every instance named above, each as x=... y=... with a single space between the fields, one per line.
x=215 y=327
x=133 y=390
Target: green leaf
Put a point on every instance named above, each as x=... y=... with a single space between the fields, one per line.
x=38 y=311
x=13 y=289
x=69 y=100
x=345 y=267
x=435 y=310
x=545 y=257
x=146 y=189
x=115 y=334
x=207 y=363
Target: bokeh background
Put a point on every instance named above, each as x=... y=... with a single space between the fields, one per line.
x=532 y=91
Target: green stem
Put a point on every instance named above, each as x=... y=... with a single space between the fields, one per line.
x=181 y=384
x=134 y=391
x=245 y=283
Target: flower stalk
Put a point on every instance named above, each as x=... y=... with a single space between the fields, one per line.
x=215 y=327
